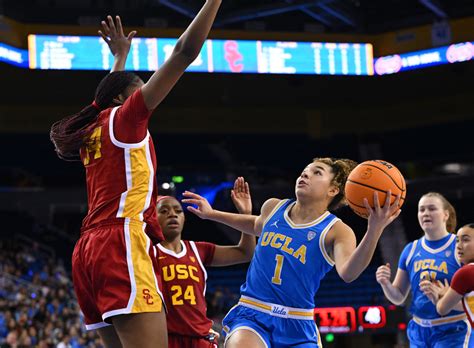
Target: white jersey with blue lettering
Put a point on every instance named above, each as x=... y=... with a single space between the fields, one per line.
x=290 y=259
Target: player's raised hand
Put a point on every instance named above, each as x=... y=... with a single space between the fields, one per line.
x=203 y=210
x=434 y=290
x=113 y=35
x=240 y=195
x=381 y=217
x=383 y=274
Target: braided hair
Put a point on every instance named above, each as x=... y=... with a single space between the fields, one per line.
x=68 y=134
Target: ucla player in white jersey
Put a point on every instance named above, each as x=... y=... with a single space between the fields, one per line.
x=300 y=241
x=432 y=257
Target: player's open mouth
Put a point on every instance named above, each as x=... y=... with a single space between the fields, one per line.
x=173 y=223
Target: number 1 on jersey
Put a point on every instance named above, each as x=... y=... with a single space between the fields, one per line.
x=277 y=275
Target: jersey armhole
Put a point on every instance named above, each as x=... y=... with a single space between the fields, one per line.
x=322 y=246
x=275 y=209
x=198 y=257
x=119 y=143
x=412 y=251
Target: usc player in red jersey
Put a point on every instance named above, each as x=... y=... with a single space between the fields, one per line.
x=445 y=296
x=183 y=271
x=114 y=269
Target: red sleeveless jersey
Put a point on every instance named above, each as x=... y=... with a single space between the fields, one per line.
x=121 y=182
x=184 y=287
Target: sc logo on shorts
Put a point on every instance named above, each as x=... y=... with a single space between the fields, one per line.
x=147 y=296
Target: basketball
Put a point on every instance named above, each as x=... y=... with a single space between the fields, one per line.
x=373 y=176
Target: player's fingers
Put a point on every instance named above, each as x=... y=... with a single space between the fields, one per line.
x=247 y=188
x=368 y=207
x=396 y=204
x=388 y=197
x=105 y=27
x=376 y=201
x=106 y=39
x=110 y=20
x=131 y=35
x=236 y=184
x=192 y=195
x=119 y=25
x=191 y=201
x=193 y=210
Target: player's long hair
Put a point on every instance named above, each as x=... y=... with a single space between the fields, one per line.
x=68 y=135
x=452 y=219
x=341 y=169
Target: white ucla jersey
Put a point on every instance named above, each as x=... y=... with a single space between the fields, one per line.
x=290 y=259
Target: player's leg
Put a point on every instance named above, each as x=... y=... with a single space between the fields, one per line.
x=245 y=337
x=109 y=337
x=244 y=327
x=145 y=330
x=418 y=336
x=133 y=304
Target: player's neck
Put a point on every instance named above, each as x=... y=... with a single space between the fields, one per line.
x=304 y=213
x=173 y=245
x=433 y=235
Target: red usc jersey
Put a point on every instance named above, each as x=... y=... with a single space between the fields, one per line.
x=184 y=286
x=463 y=284
x=121 y=182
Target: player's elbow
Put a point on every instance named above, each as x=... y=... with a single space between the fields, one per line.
x=396 y=301
x=187 y=52
x=442 y=310
x=347 y=278
x=247 y=253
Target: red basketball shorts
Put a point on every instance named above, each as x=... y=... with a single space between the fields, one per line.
x=115 y=272
x=176 y=341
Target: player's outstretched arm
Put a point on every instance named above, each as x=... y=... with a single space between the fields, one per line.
x=242 y=252
x=249 y=224
x=184 y=53
x=351 y=261
x=119 y=44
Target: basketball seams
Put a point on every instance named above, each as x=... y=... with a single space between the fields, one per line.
x=386 y=173
x=402 y=198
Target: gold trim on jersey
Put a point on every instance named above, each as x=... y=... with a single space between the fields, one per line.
x=269 y=308
x=468 y=300
x=440 y=321
x=322 y=237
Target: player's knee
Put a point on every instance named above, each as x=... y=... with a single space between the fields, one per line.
x=244 y=338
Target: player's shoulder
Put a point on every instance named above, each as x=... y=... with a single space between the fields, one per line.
x=271 y=205
x=467 y=270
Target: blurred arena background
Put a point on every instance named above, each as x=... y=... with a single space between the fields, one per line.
x=214 y=127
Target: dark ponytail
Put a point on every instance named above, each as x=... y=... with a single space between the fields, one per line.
x=68 y=135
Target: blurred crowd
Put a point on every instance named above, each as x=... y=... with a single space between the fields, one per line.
x=38 y=306
x=37 y=303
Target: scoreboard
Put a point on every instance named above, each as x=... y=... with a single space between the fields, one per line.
x=216 y=56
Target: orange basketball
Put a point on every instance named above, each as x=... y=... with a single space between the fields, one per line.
x=373 y=176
